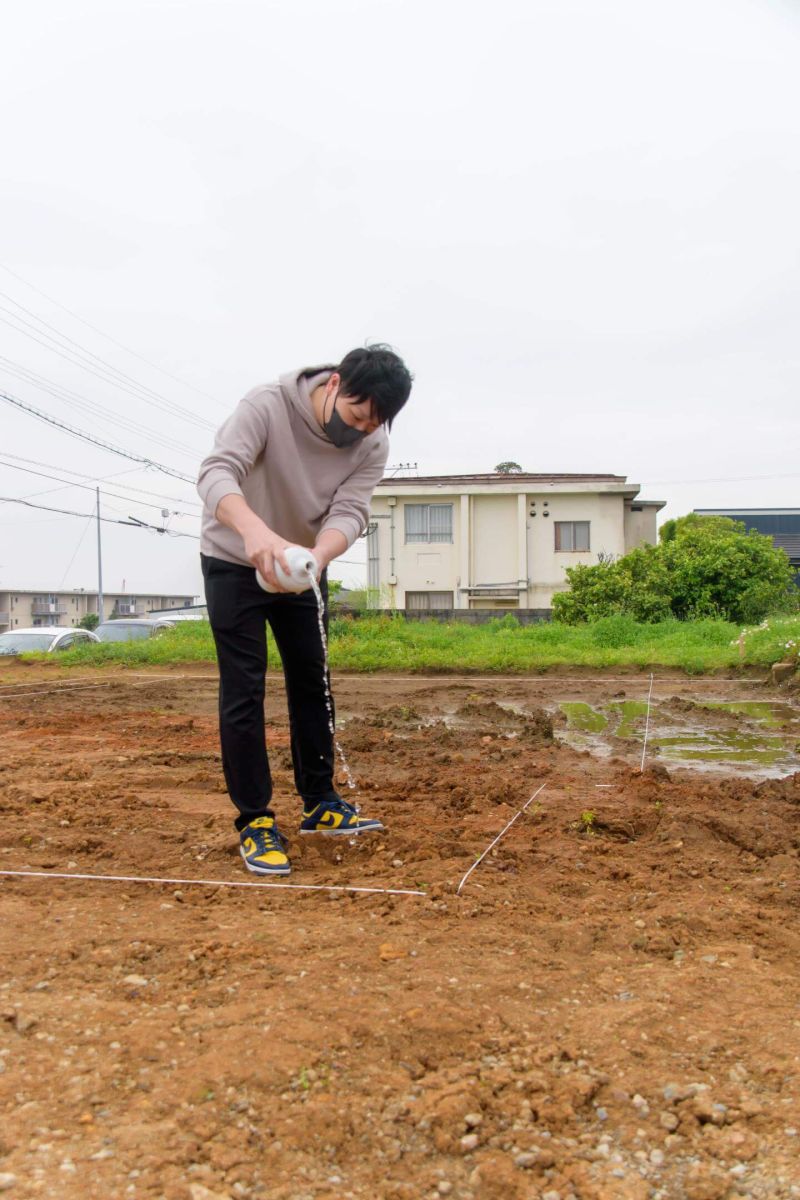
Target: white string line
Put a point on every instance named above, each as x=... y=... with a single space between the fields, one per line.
x=497 y=839
x=443 y=680
x=77 y=685
x=231 y=883
x=488 y=677
x=64 y=683
x=67 y=683
x=73 y=687
x=646 y=724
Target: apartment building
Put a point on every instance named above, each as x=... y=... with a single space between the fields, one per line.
x=459 y=542
x=20 y=609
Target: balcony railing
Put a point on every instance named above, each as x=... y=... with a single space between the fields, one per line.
x=41 y=608
x=5 y=618
x=127 y=610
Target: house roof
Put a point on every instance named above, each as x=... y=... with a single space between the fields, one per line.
x=514 y=484
x=748 y=512
x=502 y=480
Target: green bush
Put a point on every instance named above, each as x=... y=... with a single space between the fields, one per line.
x=703 y=567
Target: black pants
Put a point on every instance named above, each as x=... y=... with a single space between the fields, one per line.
x=238 y=610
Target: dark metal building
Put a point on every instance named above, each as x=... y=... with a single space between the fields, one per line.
x=782 y=525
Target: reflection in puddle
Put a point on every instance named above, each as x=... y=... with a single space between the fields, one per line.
x=631 y=713
x=724 y=747
x=693 y=737
x=584 y=717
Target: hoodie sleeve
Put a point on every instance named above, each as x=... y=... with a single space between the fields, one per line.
x=349 y=510
x=237 y=445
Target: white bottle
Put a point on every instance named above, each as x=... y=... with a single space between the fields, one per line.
x=301 y=564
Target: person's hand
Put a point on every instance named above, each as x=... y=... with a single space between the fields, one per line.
x=263 y=548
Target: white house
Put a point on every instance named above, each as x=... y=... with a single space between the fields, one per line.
x=496 y=541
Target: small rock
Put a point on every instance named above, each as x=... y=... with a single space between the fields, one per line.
x=674 y=1092
x=473 y=1120
x=135 y=980
x=781 y=671
x=657 y=1157
x=389 y=952
x=525 y=1160
x=198 y=1192
x=668 y=1121
x=444 y=1187
x=7 y=1180
x=468 y=1143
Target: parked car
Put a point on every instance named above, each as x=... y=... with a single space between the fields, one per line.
x=44 y=639
x=134 y=630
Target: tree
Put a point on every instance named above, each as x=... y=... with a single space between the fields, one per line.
x=90 y=621
x=719 y=568
x=508 y=468
x=702 y=567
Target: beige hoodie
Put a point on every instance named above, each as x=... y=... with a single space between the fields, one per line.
x=272 y=451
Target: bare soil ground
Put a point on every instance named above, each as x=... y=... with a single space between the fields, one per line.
x=610 y=1009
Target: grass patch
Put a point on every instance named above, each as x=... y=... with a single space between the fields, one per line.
x=388 y=643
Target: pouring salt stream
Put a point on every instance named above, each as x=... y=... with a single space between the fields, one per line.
x=302 y=575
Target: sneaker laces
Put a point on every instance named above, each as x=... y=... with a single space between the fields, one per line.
x=340 y=805
x=269 y=838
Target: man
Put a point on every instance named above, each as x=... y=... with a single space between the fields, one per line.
x=296 y=464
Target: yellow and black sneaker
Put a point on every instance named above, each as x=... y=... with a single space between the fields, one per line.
x=263 y=848
x=336 y=816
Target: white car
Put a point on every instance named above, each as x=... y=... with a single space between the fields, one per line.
x=134 y=629
x=44 y=639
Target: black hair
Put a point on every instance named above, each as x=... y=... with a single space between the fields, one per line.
x=376 y=373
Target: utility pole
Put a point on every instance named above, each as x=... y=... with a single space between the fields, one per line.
x=99 y=563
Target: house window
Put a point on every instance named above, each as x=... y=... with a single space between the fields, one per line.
x=572 y=535
x=429 y=522
x=428 y=601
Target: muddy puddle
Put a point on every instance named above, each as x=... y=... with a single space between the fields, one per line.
x=755 y=738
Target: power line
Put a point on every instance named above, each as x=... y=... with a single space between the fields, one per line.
x=77 y=548
x=68 y=512
x=85 y=487
x=103 y=376
x=148 y=394
x=108 y=337
x=90 y=407
x=101 y=478
x=78 y=433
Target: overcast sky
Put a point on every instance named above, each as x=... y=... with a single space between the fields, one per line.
x=577 y=220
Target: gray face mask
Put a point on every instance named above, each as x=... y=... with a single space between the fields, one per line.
x=339 y=432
